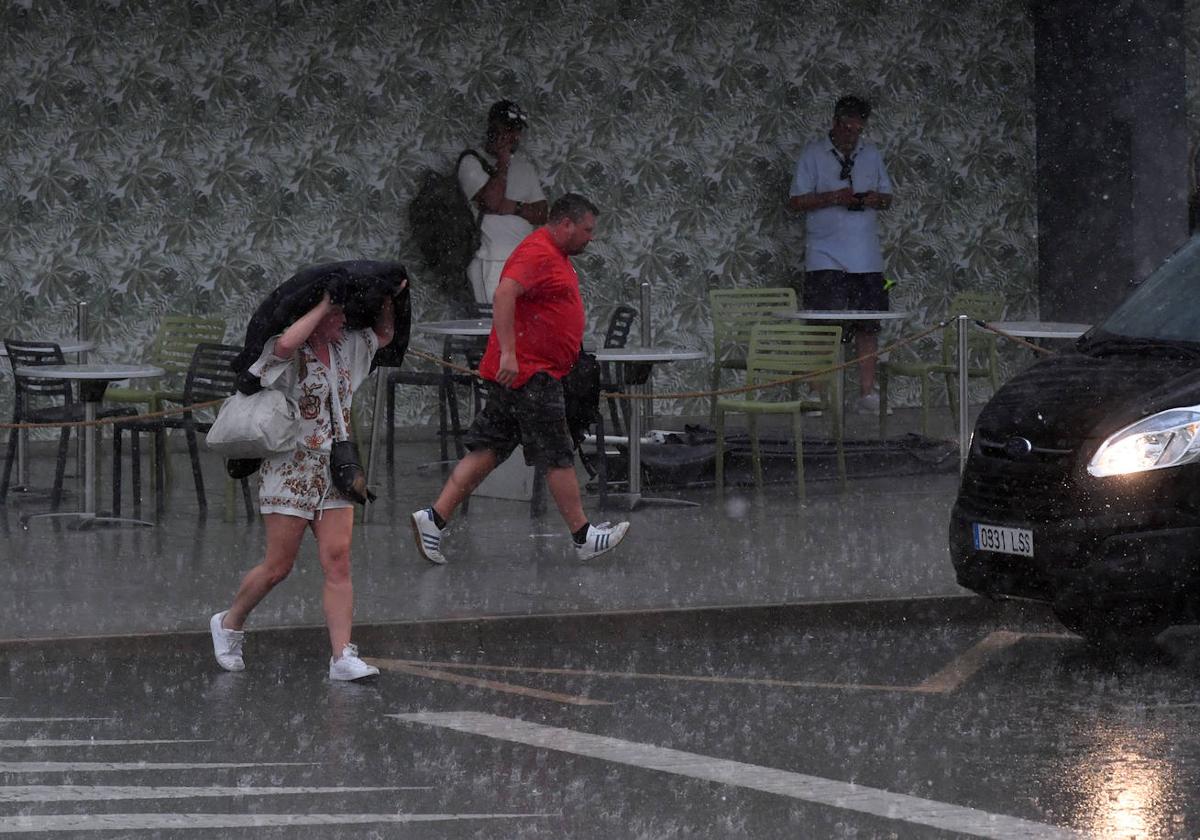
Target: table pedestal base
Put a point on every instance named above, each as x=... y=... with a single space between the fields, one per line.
x=632 y=501
x=85 y=521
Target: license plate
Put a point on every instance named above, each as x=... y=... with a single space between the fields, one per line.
x=1003 y=540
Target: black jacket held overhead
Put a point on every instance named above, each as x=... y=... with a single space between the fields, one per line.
x=358 y=286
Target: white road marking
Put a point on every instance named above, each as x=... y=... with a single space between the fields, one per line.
x=414 y=668
x=4 y=720
x=163 y=822
x=836 y=794
x=946 y=681
x=89 y=742
x=117 y=766
x=103 y=793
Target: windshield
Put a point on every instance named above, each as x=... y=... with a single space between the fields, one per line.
x=1166 y=307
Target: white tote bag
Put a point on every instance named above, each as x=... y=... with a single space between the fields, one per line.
x=255 y=426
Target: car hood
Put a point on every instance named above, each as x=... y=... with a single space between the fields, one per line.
x=1070 y=397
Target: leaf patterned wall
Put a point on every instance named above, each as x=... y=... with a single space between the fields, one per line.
x=178 y=156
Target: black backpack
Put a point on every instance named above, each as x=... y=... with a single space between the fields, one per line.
x=581 y=393
x=443 y=225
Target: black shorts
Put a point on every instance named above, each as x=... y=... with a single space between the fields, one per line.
x=832 y=289
x=533 y=416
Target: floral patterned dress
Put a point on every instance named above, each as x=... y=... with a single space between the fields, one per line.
x=298 y=483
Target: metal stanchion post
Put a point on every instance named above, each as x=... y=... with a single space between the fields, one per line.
x=377 y=410
x=647 y=321
x=81 y=333
x=964 y=431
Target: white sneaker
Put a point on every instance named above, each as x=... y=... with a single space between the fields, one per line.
x=601 y=538
x=429 y=536
x=869 y=404
x=349 y=667
x=227 y=644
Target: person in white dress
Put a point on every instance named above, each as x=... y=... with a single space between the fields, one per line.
x=297 y=491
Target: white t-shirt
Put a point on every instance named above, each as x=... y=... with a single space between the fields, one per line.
x=500 y=233
x=841 y=239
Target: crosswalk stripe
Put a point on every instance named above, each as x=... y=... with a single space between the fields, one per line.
x=161 y=822
x=121 y=766
x=4 y=720
x=103 y=793
x=40 y=743
x=830 y=792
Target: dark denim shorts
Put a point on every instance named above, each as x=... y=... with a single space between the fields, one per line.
x=830 y=289
x=533 y=416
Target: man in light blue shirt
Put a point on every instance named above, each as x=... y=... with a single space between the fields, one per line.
x=840 y=185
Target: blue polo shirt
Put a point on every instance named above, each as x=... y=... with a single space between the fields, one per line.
x=841 y=239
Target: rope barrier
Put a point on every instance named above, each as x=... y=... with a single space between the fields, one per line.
x=775 y=383
x=618 y=395
x=1035 y=347
x=108 y=421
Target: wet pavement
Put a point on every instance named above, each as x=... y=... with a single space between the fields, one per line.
x=752 y=667
x=918 y=719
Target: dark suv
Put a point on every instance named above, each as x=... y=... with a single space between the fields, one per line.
x=1082 y=487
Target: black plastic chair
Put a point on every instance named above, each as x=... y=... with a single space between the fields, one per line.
x=209 y=377
x=454 y=348
x=617 y=335
x=28 y=391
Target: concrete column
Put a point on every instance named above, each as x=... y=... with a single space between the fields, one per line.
x=1112 y=149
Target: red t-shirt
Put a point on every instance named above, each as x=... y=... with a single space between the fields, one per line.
x=549 y=316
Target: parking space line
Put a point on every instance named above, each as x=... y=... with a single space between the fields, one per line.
x=843 y=796
x=416 y=669
x=635 y=675
x=948 y=680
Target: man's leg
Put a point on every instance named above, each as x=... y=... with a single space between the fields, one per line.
x=467 y=475
x=564 y=487
x=866 y=346
x=428 y=524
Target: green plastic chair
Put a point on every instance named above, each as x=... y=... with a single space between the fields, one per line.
x=982 y=357
x=734 y=314
x=777 y=351
x=172 y=351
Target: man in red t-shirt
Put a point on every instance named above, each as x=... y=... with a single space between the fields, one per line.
x=537 y=330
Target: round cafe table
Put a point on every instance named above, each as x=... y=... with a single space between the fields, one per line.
x=469 y=326
x=621 y=356
x=843 y=315
x=93 y=379
x=1042 y=329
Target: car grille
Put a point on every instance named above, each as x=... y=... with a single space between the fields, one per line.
x=1036 y=488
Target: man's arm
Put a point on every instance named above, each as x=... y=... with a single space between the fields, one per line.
x=877 y=200
x=504 y=322
x=491 y=199
x=817 y=200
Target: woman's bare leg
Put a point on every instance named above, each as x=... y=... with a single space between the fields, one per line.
x=283 y=541
x=333 y=529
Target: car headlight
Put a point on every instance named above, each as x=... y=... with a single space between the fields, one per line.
x=1170 y=438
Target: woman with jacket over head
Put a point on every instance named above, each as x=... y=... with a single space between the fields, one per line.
x=297 y=490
